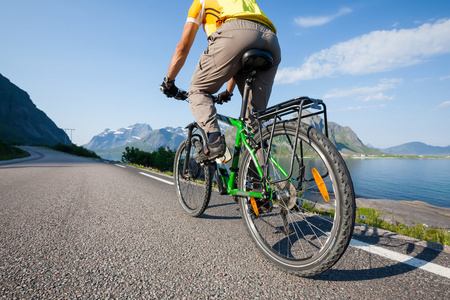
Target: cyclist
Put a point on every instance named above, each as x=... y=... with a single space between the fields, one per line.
x=232 y=27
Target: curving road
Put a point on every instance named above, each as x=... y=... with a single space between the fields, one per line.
x=72 y=227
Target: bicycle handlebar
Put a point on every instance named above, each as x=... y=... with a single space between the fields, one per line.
x=183 y=95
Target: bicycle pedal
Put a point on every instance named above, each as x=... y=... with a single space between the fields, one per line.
x=226 y=157
x=261 y=206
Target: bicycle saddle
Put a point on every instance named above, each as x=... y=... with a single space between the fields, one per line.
x=256 y=60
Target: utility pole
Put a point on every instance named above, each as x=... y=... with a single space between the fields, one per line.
x=65 y=129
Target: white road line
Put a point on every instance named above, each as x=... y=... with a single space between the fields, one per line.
x=411 y=261
x=160 y=174
x=157 y=178
x=120 y=166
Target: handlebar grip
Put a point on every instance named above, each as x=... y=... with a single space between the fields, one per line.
x=222 y=98
x=181 y=95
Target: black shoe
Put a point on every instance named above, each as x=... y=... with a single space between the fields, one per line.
x=213 y=151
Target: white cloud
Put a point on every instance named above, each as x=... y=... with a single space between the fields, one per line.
x=377 y=97
x=367 y=93
x=361 y=107
x=374 y=52
x=322 y=20
x=423 y=79
x=444 y=104
x=444 y=77
x=350 y=108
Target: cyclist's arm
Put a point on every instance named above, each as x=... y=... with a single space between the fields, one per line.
x=231 y=85
x=182 y=50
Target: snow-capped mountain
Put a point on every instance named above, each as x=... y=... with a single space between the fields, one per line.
x=184 y=132
x=179 y=130
x=109 y=138
x=140 y=136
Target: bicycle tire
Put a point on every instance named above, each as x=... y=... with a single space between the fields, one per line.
x=194 y=188
x=311 y=237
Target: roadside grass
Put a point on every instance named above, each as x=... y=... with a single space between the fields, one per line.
x=75 y=150
x=373 y=217
x=8 y=152
x=148 y=168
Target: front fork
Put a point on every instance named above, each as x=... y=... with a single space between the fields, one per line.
x=189 y=141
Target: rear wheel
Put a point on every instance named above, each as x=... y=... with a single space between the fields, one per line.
x=194 y=186
x=311 y=218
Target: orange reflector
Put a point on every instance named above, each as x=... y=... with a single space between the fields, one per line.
x=321 y=185
x=255 y=207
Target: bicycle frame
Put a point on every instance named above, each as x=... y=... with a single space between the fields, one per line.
x=226 y=182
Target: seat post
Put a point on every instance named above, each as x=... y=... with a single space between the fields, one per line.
x=253 y=60
x=247 y=89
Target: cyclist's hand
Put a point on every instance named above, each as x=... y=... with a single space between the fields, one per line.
x=224 y=97
x=170 y=91
x=181 y=95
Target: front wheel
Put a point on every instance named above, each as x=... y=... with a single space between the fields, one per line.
x=309 y=223
x=193 y=186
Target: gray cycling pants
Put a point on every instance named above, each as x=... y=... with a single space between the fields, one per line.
x=222 y=60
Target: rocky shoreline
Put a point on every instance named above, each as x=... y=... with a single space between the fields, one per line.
x=409 y=212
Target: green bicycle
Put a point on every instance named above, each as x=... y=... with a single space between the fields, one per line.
x=294 y=191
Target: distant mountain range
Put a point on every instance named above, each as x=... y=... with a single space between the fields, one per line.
x=109 y=139
x=113 y=142
x=22 y=122
x=345 y=139
x=418 y=148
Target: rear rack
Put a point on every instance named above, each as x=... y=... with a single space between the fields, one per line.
x=296 y=105
x=276 y=113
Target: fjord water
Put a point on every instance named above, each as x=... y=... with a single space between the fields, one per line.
x=426 y=180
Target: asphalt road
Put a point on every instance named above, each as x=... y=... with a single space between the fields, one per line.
x=79 y=228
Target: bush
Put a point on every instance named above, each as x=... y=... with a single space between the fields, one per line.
x=75 y=150
x=9 y=152
x=161 y=159
x=135 y=156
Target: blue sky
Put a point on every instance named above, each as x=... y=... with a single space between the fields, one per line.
x=382 y=67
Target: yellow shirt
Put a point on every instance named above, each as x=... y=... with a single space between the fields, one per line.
x=212 y=13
